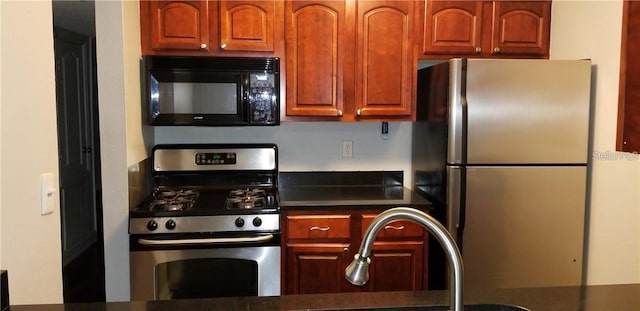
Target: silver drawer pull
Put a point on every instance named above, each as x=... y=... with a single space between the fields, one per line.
x=393 y=227
x=319 y=228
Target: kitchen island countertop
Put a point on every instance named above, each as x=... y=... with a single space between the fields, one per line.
x=585 y=298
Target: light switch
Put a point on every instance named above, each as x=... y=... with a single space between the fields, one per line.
x=47 y=193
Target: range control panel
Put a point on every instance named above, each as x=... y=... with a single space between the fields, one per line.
x=212 y=158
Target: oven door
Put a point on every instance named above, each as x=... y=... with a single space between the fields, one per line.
x=184 y=266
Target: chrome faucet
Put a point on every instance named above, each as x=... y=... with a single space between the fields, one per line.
x=358 y=271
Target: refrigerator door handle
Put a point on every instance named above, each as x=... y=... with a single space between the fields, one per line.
x=457 y=106
x=455 y=202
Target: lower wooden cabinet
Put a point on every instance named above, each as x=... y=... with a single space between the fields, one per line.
x=397 y=265
x=317 y=268
x=317 y=247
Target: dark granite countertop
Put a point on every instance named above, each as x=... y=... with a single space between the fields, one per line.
x=311 y=190
x=586 y=298
x=349 y=196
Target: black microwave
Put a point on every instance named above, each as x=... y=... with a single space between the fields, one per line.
x=212 y=91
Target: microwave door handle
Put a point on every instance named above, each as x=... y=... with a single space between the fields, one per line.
x=262 y=238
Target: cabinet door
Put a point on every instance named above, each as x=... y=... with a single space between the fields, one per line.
x=317 y=268
x=453 y=27
x=397 y=266
x=521 y=28
x=315 y=39
x=177 y=25
x=629 y=96
x=385 y=64
x=247 y=25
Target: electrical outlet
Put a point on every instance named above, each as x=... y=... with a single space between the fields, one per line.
x=347 y=148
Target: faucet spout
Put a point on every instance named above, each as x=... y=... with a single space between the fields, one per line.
x=358 y=273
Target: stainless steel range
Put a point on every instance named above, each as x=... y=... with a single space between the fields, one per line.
x=212 y=225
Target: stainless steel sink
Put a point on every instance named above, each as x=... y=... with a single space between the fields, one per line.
x=477 y=307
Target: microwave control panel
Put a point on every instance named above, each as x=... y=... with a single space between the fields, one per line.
x=262 y=98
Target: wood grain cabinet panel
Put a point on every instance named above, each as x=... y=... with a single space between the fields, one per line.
x=314 y=260
x=317 y=268
x=397 y=266
x=521 y=27
x=385 y=69
x=396 y=229
x=247 y=25
x=486 y=29
x=629 y=95
x=243 y=28
x=315 y=52
x=453 y=27
x=319 y=227
x=182 y=25
x=350 y=60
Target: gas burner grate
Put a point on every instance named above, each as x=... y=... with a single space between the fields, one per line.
x=173 y=200
x=246 y=199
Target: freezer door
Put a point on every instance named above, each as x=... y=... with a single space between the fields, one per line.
x=524 y=226
x=527 y=111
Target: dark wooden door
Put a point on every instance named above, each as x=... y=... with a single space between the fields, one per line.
x=247 y=25
x=177 y=25
x=316 y=34
x=397 y=266
x=318 y=268
x=78 y=155
x=521 y=28
x=385 y=62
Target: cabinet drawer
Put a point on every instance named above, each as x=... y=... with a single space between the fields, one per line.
x=318 y=227
x=405 y=229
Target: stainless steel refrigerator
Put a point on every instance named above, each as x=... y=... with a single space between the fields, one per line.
x=501 y=149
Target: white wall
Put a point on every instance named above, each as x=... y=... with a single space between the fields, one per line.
x=31 y=247
x=313 y=146
x=592 y=29
x=121 y=131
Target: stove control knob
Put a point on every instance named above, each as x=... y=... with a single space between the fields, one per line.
x=170 y=224
x=257 y=222
x=152 y=225
x=239 y=222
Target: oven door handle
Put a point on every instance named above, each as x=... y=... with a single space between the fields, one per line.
x=262 y=238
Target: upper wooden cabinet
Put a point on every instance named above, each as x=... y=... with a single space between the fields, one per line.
x=177 y=25
x=315 y=59
x=221 y=28
x=486 y=29
x=385 y=68
x=247 y=25
x=361 y=66
x=629 y=94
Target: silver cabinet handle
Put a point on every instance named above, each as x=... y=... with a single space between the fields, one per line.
x=319 y=228
x=262 y=238
x=359 y=112
x=223 y=46
x=393 y=227
x=496 y=50
x=203 y=45
x=478 y=50
x=345 y=250
x=339 y=113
